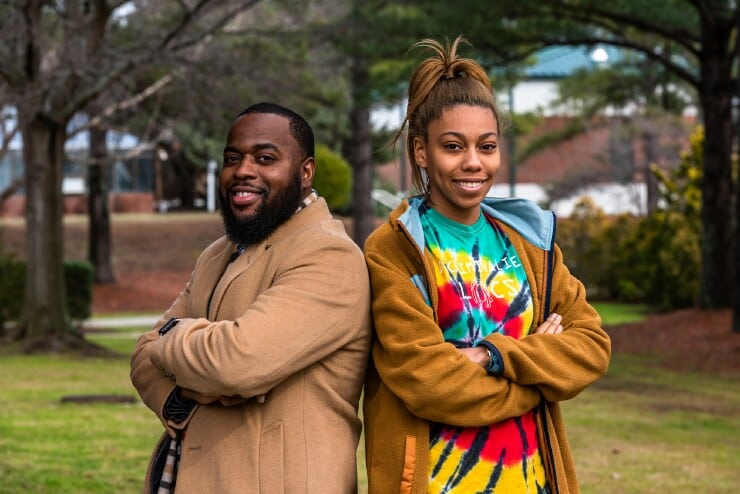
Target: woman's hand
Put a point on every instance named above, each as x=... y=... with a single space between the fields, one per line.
x=479 y=355
x=551 y=325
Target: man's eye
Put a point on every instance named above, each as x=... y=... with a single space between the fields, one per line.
x=230 y=160
x=265 y=158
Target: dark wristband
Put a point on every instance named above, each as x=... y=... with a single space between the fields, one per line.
x=495 y=365
x=177 y=408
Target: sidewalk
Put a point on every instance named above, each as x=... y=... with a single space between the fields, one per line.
x=144 y=322
x=119 y=322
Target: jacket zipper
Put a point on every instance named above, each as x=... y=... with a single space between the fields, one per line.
x=555 y=489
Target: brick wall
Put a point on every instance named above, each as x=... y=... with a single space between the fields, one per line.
x=122 y=202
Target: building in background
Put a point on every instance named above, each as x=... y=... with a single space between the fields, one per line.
x=141 y=177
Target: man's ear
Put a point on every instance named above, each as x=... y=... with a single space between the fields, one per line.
x=420 y=152
x=308 y=171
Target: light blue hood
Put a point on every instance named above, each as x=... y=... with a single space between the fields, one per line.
x=533 y=223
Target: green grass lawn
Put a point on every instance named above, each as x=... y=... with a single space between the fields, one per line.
x=639 y=430
x=51 y=447
x=613 y=313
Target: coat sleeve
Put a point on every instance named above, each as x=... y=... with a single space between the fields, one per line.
x=317 y=304
x=562 y=365
x=430 y=376
x=149 y=380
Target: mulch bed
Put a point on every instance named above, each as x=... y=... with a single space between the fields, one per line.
x=688 y=339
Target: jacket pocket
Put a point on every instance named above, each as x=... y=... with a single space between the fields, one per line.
x=409 y=465
x=272 y=471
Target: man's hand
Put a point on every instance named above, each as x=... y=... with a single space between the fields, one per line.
x=197 y=397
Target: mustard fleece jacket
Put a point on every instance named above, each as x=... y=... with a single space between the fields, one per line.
x=415 y=377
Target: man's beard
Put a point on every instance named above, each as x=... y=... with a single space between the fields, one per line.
x=269 y=215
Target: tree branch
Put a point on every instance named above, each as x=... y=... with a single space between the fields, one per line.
x=125 y=104
x=598 y=16
x=14 y=186
x=8 y=138
x=134 y=100
x=700 y=7
x=215 y=25
x=680 y=71
x=146 y=57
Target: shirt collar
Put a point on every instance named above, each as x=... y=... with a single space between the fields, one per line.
x=310 y=199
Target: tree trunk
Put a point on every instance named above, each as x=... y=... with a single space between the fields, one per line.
x=736 y=231
x=99 y=234
x=651 y=183
x=359 y=152
x=716 y=187
x=45 y=324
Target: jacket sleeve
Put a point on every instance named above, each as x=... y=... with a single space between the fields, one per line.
x=150 y=381
x=562 y=365
x=317 y=303
x=430 y=376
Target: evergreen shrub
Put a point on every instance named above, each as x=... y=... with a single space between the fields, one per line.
x=655 y=260
x=12 y=279
x=78 y=280
x=333 y=179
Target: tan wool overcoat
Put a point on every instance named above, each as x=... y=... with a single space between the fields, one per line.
x=288 y=319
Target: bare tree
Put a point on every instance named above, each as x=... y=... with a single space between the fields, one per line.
x=55 y=59
x=100 y=243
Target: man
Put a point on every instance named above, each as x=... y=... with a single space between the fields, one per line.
x=256 y=368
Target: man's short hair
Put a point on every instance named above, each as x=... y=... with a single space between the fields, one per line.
x=299 y=127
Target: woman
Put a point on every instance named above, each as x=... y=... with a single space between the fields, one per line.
x=480 y=328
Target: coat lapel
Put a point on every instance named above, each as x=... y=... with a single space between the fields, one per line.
x=221 y=273
x=213 y=266
x=229 y=272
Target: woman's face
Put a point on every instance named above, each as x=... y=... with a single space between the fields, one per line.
x=461 y=158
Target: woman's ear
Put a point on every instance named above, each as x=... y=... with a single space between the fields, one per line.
x=420 y=152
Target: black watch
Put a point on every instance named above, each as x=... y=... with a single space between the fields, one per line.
x=168 y=325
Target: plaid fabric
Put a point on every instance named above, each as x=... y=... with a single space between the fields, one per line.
x=310 y=198
x=169 y=474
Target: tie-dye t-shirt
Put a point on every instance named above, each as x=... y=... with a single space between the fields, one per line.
x=482 y=289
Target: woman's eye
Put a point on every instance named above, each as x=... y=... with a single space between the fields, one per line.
x=491 y=146
x=453 y=146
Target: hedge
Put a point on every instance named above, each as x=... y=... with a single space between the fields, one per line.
x=78 y=280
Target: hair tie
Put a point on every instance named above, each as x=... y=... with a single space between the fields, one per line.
x=458 y=73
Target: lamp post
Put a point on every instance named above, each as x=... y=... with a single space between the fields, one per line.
x=512 y=142
x=211 y=186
